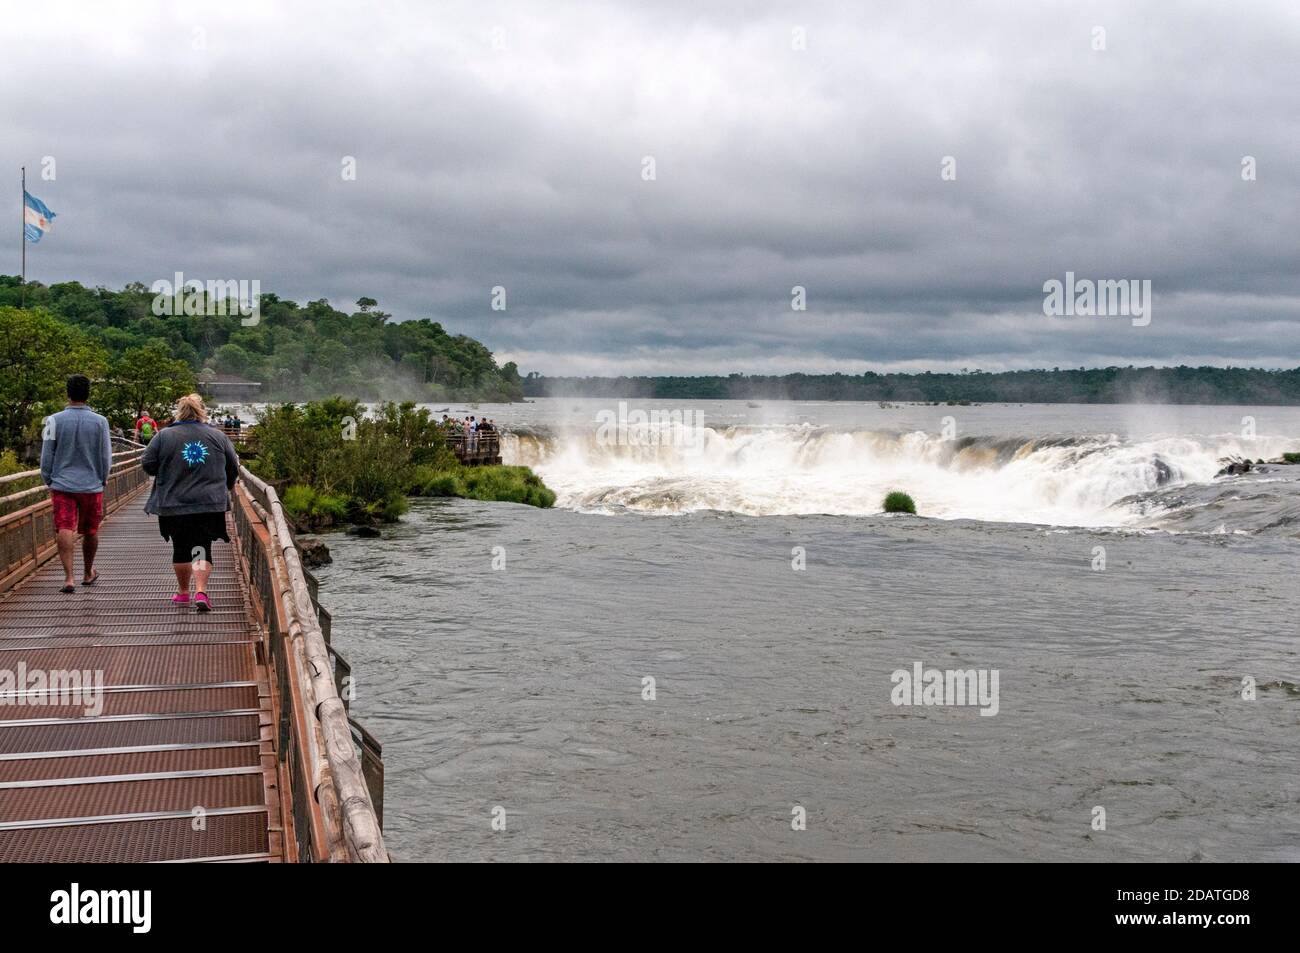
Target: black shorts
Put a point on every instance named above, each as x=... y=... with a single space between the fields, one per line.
x=191 y=532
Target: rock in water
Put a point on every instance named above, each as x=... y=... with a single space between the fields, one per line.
x=365 y=532
x=313 y=551
x=1163 y=473
x=1236 y=467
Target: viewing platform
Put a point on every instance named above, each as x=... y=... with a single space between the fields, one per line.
x=482 y=449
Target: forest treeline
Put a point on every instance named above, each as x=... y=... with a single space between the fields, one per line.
x=297 y=351
x=1102 y=385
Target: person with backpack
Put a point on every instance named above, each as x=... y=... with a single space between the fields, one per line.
x=145 y=427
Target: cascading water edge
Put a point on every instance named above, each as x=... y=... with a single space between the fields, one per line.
x=1098 y=480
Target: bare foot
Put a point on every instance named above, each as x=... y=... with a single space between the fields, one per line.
x=90 y=580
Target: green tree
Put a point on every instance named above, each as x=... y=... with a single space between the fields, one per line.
x=297 y=352
x=145 y=378
x=233 y=359
x=37 y=355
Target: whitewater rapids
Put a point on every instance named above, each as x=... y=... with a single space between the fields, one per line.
x=1096 y=481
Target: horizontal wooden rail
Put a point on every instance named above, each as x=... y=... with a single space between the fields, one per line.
x=36 y=474
x=27 y=536
x=479 y=448
x=323 y=758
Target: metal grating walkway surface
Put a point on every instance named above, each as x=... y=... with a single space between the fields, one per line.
x=170 y=757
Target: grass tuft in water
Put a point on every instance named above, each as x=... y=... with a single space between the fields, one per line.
x=898 y=502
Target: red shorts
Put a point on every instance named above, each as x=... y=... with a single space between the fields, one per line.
x=82 y=512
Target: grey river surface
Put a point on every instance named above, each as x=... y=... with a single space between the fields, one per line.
x=1119 y=688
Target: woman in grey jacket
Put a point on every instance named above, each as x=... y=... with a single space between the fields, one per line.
x=194 y=466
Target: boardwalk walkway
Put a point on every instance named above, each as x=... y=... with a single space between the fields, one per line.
x=179 y=764
x=133 y=729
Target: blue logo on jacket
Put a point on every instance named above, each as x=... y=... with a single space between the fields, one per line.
x=194 y=453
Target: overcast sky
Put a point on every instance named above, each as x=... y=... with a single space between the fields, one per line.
x=504 y=144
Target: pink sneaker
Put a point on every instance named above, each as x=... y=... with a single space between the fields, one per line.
x=181 y=598
x=201 y=602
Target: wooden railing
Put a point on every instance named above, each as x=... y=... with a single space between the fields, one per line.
x=27 y=535
x=333 y=807
x=477 y=448
x=244 y=438
x=372 y=752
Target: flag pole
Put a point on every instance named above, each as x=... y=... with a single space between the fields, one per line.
x=22 y=282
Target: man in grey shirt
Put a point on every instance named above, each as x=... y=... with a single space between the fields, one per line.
x=76 y=455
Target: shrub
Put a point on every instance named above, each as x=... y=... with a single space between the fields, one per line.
x=897 y=502
x=1291 y=457
x=9 y=463
x=297 y=500
x=509 y=484
x=371 y=467
x=386 y=510
x=418 y=432
x=418 y=478
x=365 y=472
x=443 y=484
x=335 y=508
x=294 y=443
x=314 y=508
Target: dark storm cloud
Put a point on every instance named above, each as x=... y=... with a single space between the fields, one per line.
x=502 y=144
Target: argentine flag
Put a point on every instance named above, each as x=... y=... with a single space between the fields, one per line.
x=36 y=217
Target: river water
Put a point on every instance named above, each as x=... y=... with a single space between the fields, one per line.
x=1089 y=556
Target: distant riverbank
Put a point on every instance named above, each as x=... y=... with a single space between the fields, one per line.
x=1104 y=385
